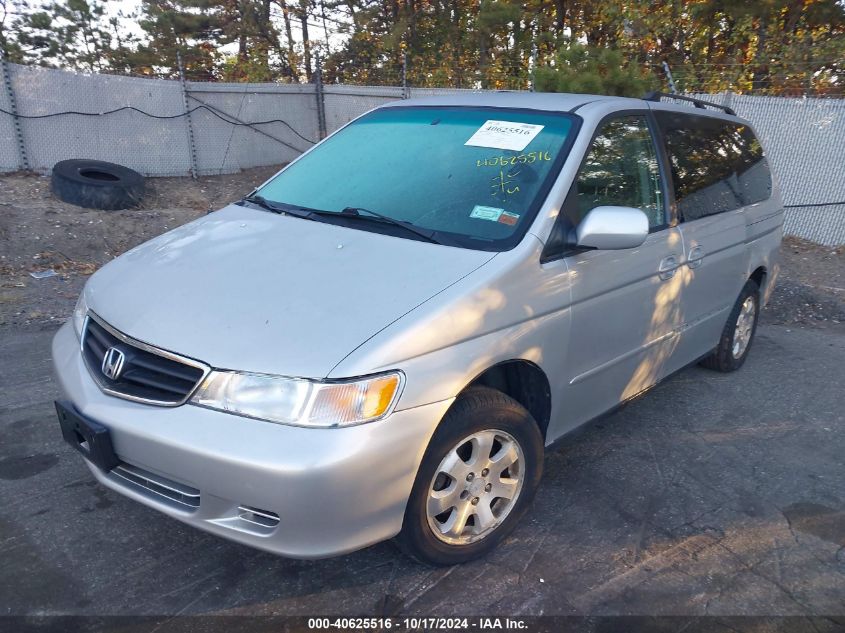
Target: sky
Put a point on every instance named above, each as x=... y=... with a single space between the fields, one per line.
x=115 y=7
x=127 y=7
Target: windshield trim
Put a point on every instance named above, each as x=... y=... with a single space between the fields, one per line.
x=462 y=240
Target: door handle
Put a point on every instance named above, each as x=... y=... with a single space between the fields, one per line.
x=696 y=256
x=668 y=266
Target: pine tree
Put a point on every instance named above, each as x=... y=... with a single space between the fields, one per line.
x=9 y=46
x=70 y=33
x=588 y=69
x=187 y=27
x=769 y=46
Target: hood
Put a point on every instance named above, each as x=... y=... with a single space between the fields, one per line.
x=254 y=291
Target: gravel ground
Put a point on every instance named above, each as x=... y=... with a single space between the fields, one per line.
x=811 y=287
x=40 y=233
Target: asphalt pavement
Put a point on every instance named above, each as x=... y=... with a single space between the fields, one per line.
x=717 y=494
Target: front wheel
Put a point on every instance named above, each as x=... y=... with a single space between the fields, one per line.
x=738 y=333
x=477 y=478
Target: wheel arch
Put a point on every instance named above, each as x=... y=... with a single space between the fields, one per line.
x=759 y=276
x=525 y=382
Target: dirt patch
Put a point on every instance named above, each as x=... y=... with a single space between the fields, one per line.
x=810 y=290
x=39 y=233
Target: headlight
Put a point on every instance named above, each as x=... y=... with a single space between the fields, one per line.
x=79 y=314
x=298 y=401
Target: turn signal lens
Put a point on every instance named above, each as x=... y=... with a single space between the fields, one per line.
x=355 y=402
x=79 y=314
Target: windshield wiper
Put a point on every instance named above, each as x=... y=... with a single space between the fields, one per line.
x=348 y=213
x=355 y=212
x=279 y=207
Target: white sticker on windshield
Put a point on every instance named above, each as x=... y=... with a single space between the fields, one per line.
x=504 y=135
x=486 y=213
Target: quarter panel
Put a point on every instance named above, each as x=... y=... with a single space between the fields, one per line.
x=764 y=248
x=764 y=234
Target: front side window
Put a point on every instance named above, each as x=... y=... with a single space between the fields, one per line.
x=621 y=170
x=717 y=165
x=476 y=175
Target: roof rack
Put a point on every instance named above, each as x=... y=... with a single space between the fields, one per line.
x=699 y=103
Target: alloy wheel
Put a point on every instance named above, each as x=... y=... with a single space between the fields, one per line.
x=744 y=327
x=475 y=487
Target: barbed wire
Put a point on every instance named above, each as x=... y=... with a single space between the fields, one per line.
x=696 y=77
x=756 y=63
x=792 y=78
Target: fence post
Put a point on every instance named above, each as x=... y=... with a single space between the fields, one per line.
x=13 y=108
x=321 y=98
x=406 y=94
x=669 y=77
x=191 y=145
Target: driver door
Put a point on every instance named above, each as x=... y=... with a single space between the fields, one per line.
x=625 y=312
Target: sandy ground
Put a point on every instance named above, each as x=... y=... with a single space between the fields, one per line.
x=40 y=233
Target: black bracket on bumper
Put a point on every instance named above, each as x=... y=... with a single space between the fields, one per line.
x=88 y=437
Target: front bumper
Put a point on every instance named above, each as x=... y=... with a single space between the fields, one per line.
x=334 y=490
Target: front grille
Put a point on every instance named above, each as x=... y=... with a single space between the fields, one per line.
x=146 y=374
x=158 y=487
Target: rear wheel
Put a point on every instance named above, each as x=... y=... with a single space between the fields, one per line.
x=738 y=333
x=478 y=477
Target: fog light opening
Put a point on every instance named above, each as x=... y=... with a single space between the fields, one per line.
x=256 y=516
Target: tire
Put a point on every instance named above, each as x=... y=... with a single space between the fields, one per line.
x=479 y=416
x=95 y=184
x=730 y=353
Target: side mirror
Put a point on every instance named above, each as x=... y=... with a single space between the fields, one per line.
x=611 y=228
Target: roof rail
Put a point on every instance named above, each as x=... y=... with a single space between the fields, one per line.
x=699 y=103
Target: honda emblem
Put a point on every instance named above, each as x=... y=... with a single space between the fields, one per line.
x=113 y=362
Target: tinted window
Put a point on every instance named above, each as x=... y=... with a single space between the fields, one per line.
x=717 y=165
x=621 y=170
x=444 y=169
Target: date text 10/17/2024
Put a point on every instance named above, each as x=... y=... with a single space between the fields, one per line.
x=417 y=624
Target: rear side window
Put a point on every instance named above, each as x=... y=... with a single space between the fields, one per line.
x=717 y=165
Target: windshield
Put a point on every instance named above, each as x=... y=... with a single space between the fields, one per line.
x=475 y=175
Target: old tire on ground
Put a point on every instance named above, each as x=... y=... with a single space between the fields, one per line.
x=95 y=184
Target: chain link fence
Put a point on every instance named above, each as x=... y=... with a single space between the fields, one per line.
x=152 y=146
x=226 y=136
x=804 y=138
x=164 y=127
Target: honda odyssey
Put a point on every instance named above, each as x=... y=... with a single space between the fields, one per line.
x=381 y=340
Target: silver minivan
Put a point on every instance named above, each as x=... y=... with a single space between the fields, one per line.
x=381 y=340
